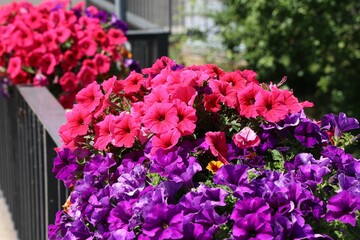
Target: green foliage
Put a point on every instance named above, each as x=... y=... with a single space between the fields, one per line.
x=313 y=42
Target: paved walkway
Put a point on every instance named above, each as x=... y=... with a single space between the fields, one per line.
x=7 y=231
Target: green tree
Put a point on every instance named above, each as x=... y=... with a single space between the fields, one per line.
x=315 y=43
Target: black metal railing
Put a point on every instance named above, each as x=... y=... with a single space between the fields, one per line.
x=29 y=122
x=148 y=39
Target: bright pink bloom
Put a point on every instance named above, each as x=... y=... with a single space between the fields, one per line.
x=187 y=118
x=103 y=134
x=159 y=94
x=124 y=130
x=69 y=82
x=217 y=144
x=62 y=34
x=225 y=91
x=161 y=117
x=116 y=37
x=23 y=35
x=133 y=82
x=247 y=100
x=159 y=65
x=102 y=63
x=78 y=121
x=48 y=63
x=187 y=94
x=89 y=97
x=235 y=79
x=246 y=138
x=249 y=75
x=165 y=141
x=87 y=46
x=212 y=102
x=49 y=39
x=271 y=106
x=14 y=67
x=86 y=75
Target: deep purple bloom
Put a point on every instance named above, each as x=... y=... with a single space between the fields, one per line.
x=119 y=24
x=342 y=207
x=252 y=227
x=204 y=196
x=233 y=176
x=307 y=133
x=102 y=16
x=120 y=215
x=206 y=222
x=129 y=185
x=339 y=124
x=251 y=205
x=164 y=222
x=96 y=170
x=66 y=167
x=133 y=65
x=293 y=228
x=175 y=167
x=268 y=141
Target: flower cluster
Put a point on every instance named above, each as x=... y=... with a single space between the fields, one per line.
x=65 y=49
x=198 y=153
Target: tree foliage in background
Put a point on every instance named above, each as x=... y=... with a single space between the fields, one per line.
x=316 y=43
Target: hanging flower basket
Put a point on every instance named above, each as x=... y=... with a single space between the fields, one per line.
x=198 y=153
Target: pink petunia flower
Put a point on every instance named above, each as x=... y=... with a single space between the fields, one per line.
x=133 y=82
x=246 y=98
x=102 y=63
x=87 y=46
x=78 y=121
x=69 y=82
x=116 y=37
x=48 y=63
x=103 y=134
x=14 y=67
x=187 y=118
x=89 y=97
x=246 y=138
x=187 y=94
x=165 y=141
x=271 y=106
x=217 y=144
x=225 y=91
x=124 y=130
x=161 y=117
x=86 y=75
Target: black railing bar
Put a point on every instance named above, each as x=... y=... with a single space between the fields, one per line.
x=45 y=173
x=48 y=110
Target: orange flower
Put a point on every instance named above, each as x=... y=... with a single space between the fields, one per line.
x=213 y=166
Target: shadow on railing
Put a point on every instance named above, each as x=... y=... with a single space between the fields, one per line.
x=29 y=122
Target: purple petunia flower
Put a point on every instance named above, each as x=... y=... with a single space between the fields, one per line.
x=164 y=222
x=293 y=228
x=119 y=24
x=248 y=206
x=342 y=207
x=66 y=167
x=339 y=124
x=235 y=177
x=307 y=133
x=252 y=226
